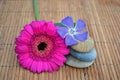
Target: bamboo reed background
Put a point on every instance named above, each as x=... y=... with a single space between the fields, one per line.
x=103 y=22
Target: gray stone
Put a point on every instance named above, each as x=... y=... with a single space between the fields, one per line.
x=87 y=56
x=84 y=46
x=71 y=61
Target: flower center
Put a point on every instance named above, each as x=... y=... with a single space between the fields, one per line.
x=42 y=46
x=71 y=31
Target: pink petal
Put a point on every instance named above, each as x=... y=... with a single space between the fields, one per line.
x=44 y=28
x=39 y=67
x=23 y=56
x=29 y=63
x=50 y=67
x=51 y=25
x=25 y=62
x=45 y=66
x=50 y=28
x=60 y=41
x=63 y=51
x=42 y=22
x=22 y=40
x=56 y=61
x=19 y=42
x=34 y=66
x=60 y=57
x=62 y=46
x=36 y=26
x=22 y=49
x=54 y=66
x=25 y=34
x=28 y=28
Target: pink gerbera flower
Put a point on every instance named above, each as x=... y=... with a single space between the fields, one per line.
x=40 y=48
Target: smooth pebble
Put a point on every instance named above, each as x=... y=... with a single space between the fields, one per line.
x=71 y=61
x=87 y=56
x=84 y=46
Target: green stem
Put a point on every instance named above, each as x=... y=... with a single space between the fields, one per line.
x=36 y=10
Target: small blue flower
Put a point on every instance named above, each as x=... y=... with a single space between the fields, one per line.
x=72 y=33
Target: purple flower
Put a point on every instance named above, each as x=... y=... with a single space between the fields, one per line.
x=72 y=33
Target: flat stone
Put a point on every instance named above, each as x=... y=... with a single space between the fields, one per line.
x=71 y=61
x=87 y=56
x=84 y=46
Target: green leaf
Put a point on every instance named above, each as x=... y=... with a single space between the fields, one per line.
x=60 y=24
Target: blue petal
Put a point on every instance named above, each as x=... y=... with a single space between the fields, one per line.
x=62 y=31
x=70 y=41
x=68 y=22
x=80 y=25
x=82 y=37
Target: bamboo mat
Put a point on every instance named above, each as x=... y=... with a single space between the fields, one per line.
x=103 y=22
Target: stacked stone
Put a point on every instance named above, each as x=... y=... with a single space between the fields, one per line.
x=82 y=55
